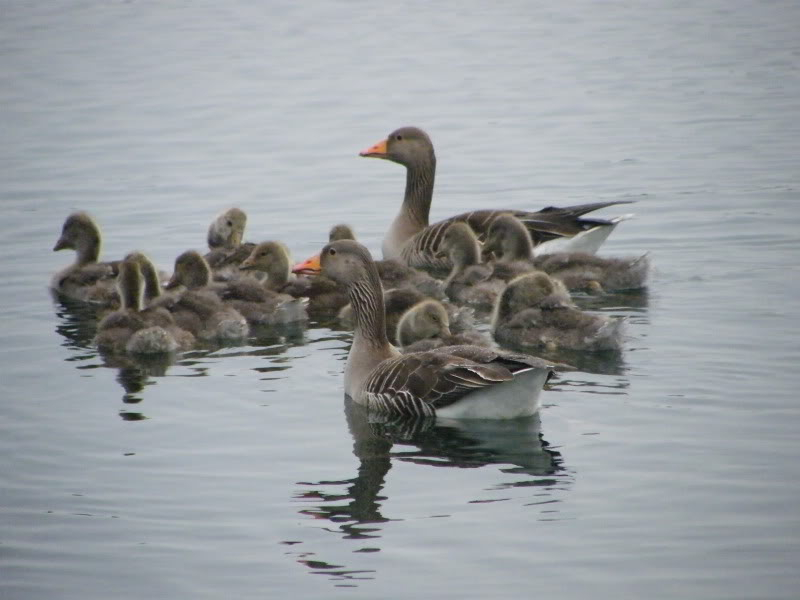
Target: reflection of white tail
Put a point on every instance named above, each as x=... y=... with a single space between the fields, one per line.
x=588 y=241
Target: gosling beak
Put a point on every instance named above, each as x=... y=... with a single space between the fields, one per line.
x=172 y=283
x=246 y=265
x=62 y=244
x=311 y=266
x=379 y=150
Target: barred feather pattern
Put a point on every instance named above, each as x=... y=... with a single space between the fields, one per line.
x=552 y=222
x=418 y=384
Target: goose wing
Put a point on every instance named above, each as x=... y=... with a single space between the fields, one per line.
x=422 y=382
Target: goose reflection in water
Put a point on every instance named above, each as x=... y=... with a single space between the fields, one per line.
x=355 y=505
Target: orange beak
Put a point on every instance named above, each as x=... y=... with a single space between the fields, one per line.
x=309 y=267
x=379 y=150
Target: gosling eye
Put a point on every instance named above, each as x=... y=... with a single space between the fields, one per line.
x=230 y=223
x=331 y=251
x=398 y=137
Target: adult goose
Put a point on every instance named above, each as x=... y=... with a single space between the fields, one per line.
x=453 y=382
x=535 y=313
x=394 y=273
x=85 y=279
x=508 y=241
x=411 y=239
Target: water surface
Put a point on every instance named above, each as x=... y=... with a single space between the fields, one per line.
x=669 y=472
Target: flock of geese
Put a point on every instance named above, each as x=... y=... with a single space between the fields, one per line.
x=416 y=348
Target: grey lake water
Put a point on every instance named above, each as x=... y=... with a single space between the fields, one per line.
x=671 y=471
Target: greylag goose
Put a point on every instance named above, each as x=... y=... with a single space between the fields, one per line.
x=272 y=259
x=393 y=273
x=455 y=382
x=85 y=279
x=134 y=329
x=533 y=312
x=226 y=250
x=196 y=305
x=509 y=242
x=469 y=281
x=426 y=326
x=411 y=239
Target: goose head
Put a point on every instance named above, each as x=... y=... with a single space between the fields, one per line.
x=271 y=258
x=460 y=244
x=408 y=146
x=191 y=271
x=152 y=283
x=508 y=239
x=130 y=285
x=227 y=229
x=80 y=233
x=346 y=262
x=425 y=320
x=341 y=232
x=525 y=291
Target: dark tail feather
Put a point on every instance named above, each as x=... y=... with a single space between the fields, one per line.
x=579 y=209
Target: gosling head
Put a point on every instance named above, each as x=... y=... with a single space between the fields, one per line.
x=523 y=292
x=271 y=258
x=227 y=229
x=461 y=245
x=80 y=233
x=425 y=320
x=508 y=239
x=341 y=232
x=130 y=285
x=191 y=271
x=152 y=283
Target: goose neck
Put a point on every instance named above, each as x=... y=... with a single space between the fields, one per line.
x=419 y=190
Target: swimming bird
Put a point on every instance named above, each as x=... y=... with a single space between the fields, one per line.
x=272 y=259
x=86 y=279
x=469 y=282
x=398 y=300
x=226 y=249
x=411 y=238
x=393 y=273
x=534 y=312
x=509 y=242
x=426 y=326
x=135 y=329
x=456 y=382
x=196 y=305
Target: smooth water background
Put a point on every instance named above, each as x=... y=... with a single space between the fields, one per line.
x=237 y=472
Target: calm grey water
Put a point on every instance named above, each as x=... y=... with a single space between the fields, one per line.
x=240 y=472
